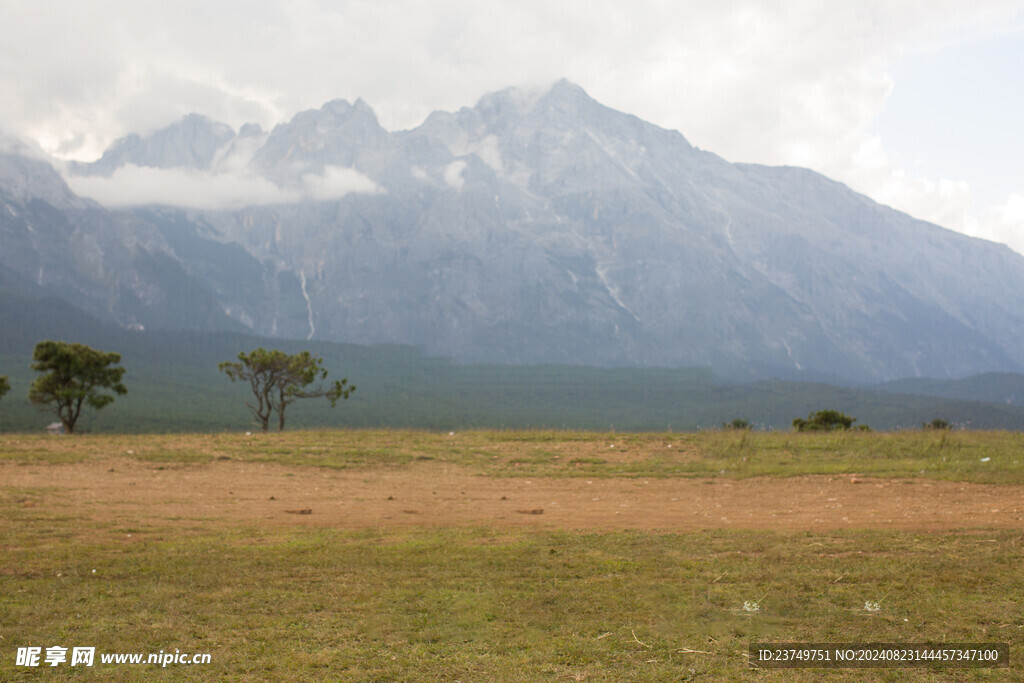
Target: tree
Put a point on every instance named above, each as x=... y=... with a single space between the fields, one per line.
x=277 y=380
x=303 y=369
x=261 y=369
x=824 y=421
x=75 y=374
x=5 y=385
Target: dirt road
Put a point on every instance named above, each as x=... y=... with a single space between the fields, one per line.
x=435 y=494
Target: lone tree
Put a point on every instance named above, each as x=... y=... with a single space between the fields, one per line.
x=277 y=380
x=824 y=421
x=5 y=385
x=75 y=374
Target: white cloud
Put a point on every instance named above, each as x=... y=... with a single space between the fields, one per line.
x=12 y=144
x=770 y=81
x=861 y=161
x=1006 y=223
x=453 y=174
x=133 y=185
x=335 y=183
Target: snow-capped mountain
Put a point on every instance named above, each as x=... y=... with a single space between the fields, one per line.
x=542 y=227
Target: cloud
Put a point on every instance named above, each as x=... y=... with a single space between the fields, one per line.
x=777 y=82
x=335 y=183
x=862 y=162
x=740 y=78
x=1005 y=223
x=453 y=174
x=12 y=144
x=133 y=185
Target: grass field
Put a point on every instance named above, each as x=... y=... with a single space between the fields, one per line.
x=982 y=457
x=470 y=603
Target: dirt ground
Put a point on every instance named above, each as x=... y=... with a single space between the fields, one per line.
x=130 y=492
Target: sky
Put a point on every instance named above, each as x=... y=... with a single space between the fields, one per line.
x=916 y=104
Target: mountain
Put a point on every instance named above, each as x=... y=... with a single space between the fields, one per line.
x=109 y=263
x=193 y=142
x=174 y=385
x=991 y=387
x=338 y=135
x=541 y=227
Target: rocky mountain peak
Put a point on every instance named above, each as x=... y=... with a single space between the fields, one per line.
x=563 y=98
x=334 y=135
x=24 y=178
x=564 y=93
x=192 y=142
x=335 y=118
x=250 y=130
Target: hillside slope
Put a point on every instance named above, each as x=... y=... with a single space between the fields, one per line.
x=538 y=227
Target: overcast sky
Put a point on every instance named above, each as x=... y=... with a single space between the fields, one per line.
x=917 y=104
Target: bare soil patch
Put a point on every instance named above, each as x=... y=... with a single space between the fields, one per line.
x=131 y=492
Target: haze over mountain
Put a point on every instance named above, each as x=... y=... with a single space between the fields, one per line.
x=535 y=227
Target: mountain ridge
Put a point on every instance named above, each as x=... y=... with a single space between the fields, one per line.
x=543 y=227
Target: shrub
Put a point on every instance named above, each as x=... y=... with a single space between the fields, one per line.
x=824 y=421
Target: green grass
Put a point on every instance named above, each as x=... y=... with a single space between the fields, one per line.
x=981 y=457
x=478 y=604
x=469 y=604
